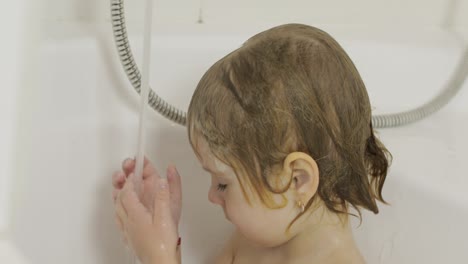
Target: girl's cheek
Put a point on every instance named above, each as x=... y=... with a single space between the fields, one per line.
x=230 y=213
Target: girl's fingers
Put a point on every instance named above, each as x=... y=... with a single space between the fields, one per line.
x=120 y=210
x=122 y=229
x=137 y=222
x=119 y=223
x=149 y=170
x=175 y=189
x=161 y=201
x=121 y=218
x=128 y=166
x=118 y=180
x=130 y=202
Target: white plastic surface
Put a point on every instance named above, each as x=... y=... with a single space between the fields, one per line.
x=9 y=254
x=10 y=51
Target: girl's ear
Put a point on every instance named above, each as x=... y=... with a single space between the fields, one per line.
x=305 y=175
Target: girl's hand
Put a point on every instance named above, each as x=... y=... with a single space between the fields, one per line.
x=149 y=172
x=150 y=224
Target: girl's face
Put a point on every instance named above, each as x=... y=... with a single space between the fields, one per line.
x=256 y=222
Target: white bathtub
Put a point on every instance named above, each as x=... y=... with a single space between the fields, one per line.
x=77 y=120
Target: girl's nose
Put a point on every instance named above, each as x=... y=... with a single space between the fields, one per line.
x=214 y=197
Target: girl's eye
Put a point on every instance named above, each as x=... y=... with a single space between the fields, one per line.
x=222 y=187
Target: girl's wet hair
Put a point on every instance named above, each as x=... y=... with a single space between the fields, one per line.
x=292 y=88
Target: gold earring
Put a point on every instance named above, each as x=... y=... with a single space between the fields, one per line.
x=301 y=205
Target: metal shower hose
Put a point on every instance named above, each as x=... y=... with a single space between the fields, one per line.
x=179 y=116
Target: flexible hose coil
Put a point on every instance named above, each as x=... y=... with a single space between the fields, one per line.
x=179 y=116
x=131 y=69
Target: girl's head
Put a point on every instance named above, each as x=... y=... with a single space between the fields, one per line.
x=284 y=126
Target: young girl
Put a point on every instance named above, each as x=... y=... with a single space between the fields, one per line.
x=283 y=125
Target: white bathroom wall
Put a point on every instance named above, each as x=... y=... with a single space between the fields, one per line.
x=14 y=45
x=229 y=15
x=11 y=26
x=461 y=18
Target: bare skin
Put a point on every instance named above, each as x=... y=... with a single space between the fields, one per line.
x=327 y=244
x=239 y=251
